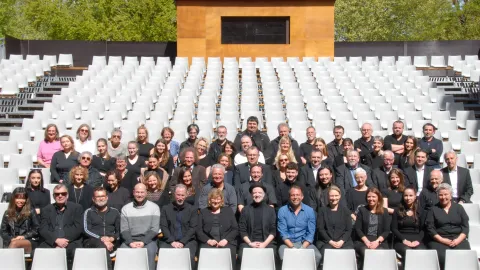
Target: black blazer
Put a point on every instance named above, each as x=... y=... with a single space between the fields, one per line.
x=168 y=222
x=305 y=175
x=363 y=220
x=464 y=183
x=380 y=179
x=343 y=177
x=199 y=177
x=411 y=174
x=242 y=175
x=269 y=222
x=28 y=228
x=327 y=230
x=228 y=225
x=84 y=199
x=72 y=223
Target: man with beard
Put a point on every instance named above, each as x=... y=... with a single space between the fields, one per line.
x=242 y=171
x=431 y=145
x=259 y=139
x=297 y=224
x=216 y=147
x=308 y=173
x=257 y=225
x=345 y=174
x=306 y=147
x=101 y=224
x=244 y=193
x=380 y=175
x=178 y=222
x=283 y=189
x=140 y=224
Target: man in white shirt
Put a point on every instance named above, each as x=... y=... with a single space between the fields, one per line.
x=458 y=177
x=241 y=157
x=419 y=174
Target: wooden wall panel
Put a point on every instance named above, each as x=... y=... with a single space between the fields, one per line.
x=311 y=27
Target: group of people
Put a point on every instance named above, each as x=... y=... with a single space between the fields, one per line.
x=371 y=193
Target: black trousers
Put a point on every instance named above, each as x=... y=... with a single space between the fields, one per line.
x=192 y=246
x=97 y=243
x=322 y=246
x=233 y=252
x=360 y=247
x=442 y=250
x=401 y=249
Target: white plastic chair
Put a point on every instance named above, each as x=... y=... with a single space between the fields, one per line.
x=90 y=259
x=380 y=260
x=344 y=259
x=174 y=259
x=258 y=259
x=461 y=259
x=214 y=259
x=438 y=61
x=457 y=137
x=420 y=61
x=421 y=259
x=50 y=259
x=469 y=149
x=463 y=116
x=131 y=258
x=12 y=258
x=473 y=212
x=294 y=259
x=21 y=162
x=65 y=60
x=472 y=127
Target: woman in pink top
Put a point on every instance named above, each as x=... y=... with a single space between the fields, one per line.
x=48 y=146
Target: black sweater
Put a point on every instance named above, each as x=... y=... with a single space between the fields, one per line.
x=408 y=228
x=96 y=226
x=136 y=167
x=144 y=149
x=103 y=165
x=228 y=225
x=269 y=221
x=119 y=198
x=84 y=198
x=334 y=225
x=39 y=199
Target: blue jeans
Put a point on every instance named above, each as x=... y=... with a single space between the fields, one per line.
x=318 y=256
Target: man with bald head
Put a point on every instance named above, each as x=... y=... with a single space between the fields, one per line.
x=140 y=224
x=428 y=197
x=364 y=144
x=241 y=157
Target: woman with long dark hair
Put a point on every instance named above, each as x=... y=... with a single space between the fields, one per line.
x=39 y=196
x=396 y=186
x=407 y=159
x=161 y=150
x=20 y=223
x=407 y=224
x=118 y=196
x=185 y=178
x=102 y=161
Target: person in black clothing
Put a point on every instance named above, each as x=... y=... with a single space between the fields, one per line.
x=135 y=162
x=364 y=144
x=458 y=177
x=63 y=161
x=217 y=226
x=20 y=224
x=419 y=174
x=193 y=131
x=344 y=174
x=216 y=147
x=242 y=171
x=227 y=162
x=244 y=195
x=396 y=140
x=321 y=145
x=201 y=155
x=102 y=161
x=407 y=158
x=381 y=174
x=432 y=145
x=335 y=147
x=334 y=225
x=166 y=160
x=284 y=131
x=127 y=179
x=428 y=197
x=306 y=147
x=144 y=147
x=374 y=159
x=193 y=192
x=117 y=196
x=259 y=139
x=178 y=222
x=373 y=224
x=447 y=224
x=407 y=224
x=157 y=188
x=95 y=179
x=39 y=196
x=187 y=158
x=393 y=194
x=101 y=225
x=61 y=223
x=341 y=158
x=309 y=172
x=322 y=185
x=283 y=189
x=257 y=225
x=80 y=192
x=229 y=149
x=356 y=197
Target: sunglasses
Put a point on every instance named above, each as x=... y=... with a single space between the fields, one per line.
x=116 y=136
x=84 y=130
x=283 y=159
x=86 y=158
x=60 y=193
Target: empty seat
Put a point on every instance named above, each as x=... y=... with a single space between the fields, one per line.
x=258 y=259
x=21 y=162
x=65 y=60
x=421 y=259
x=175 y=259
x=472 y=127
x=463 y=116
x=469 y=149
x=380 y=260
x=461 y=259
x=456 y=137
x=131 y=258
x=50 y=259
x=12 y=258
x=473 y=212
x=339 y=259
x=90 y=258
x=214 y=259
x=294 y=259
x=19 y=136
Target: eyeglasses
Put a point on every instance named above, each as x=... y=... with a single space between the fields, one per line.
x=56 y=194
x=84 y=130
x=86 y=158
x=116 y=136
x=283 y=159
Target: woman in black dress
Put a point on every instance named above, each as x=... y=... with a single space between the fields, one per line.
x=217 y=226
x=80 y=192
x=375 y=158
x=134 y=162
x=347 y=144
x=144 y=146
x=20 y=224
x=39 y=196
x=447 y=224
x=161 y=150
x=373 y=224
x=393 y=194
x=102 y=161
x=357 y=196
x=407 y=224
x=407 y=159
x=63 y=161
x=117 y=196
x=334 y=224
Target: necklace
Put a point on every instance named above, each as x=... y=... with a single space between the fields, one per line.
x=79 y=196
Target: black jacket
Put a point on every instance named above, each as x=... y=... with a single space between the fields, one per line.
x=296 y=150
x=245 y=197
x=327 y=230
x=85 y=197
x=228 y=225
x=365 y=147
x=343 y=177
x=215 y=150
x=464 y=183
x=283 y=193
x=168 y=220
x=72 y=220
x=242 y=175
x=411 y=174
x=269 y=222
x=95 y=179
x=363 y=220
x=260 y=140
x=28 y=228
x=96 y=226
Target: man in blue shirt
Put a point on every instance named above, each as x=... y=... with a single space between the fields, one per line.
x=296 y=224
x=431 y=145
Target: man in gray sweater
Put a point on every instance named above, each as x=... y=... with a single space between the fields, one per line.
x=140 y=224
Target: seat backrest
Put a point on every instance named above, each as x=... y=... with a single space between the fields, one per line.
x=90 y=258
x=214 y=258
x=380 y=260
x=12 y=258
x=131 y=258
x=50 y=259
x=421 y=259
x=461 y=259
x=299 y=259
x=339 y=259
x=173 y=259
x=258 y=259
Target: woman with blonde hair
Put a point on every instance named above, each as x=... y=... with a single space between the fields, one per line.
x=79 y=191
x=48 y=146
x=156 y=188
x=285 y=148
x=144 y=147
x=63 y=161
x=83 y=140
x=321 y=145
x=201 y=147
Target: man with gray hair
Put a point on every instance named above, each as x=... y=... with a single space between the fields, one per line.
x=241 y=157
x=242 y=171
x=345 y=174
x=380 y=175
x=458 y=177
x=364 y=144
x=178 y=222
x=229 y=194
x=284 y=131
x=95 y=179
x=115 y=146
